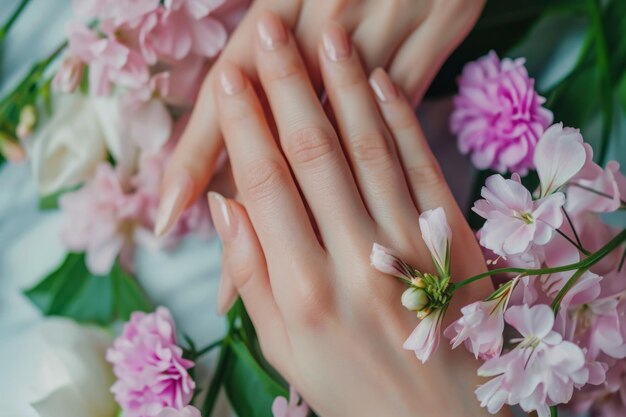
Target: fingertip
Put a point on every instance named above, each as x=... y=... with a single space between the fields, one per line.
x=231 y=79
x=383 y=87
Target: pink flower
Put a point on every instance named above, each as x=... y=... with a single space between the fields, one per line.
x=436 y=234
x=110 y=62
x=482 y=324
x=601 y=192
x=498 y=115
x=385 y=261
x=560 y=154
x=99 y=220
x=424 y=340
x=149 y=366
x=514 y=220
x=180 y=29
x=541 y=371
x=188 y=411
x=69 y=75
x=293 y=408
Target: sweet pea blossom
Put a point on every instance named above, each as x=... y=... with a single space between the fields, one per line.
x=424 y=340
x=385 y=261
x=98 y=219
x=482 y=324
x=498 y=115
x=293 y=408
x=514 y=220
x=150 y=369
x=541 y=371
x=560 y=154
x=436 y=234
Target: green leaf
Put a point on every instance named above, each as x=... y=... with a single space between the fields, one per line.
x=249 y=387
x=72 y=291
x=614 y=28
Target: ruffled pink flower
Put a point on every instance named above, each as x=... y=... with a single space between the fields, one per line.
x=541 y=371
x=498 y=115
x=560 y=155
x=99 y=220
x=293 y=408
x=424 y=340
x=150 y=369
x=514 y=220
x=188 y=411
x=436 y=234
x=606 y=400
x=482 y=324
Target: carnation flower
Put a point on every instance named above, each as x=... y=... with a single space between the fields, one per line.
x=514 y=220
x=541 y=371
x=293 y=408
x=498 y=115
x=150 y=369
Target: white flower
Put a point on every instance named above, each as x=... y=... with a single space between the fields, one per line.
x=60 y=371
x=437 y=235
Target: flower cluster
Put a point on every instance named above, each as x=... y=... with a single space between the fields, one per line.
x=498 y=115
x=152 y=374
x=553 y=332
x=139 y=65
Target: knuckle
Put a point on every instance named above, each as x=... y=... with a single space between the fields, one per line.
x=313 y=303
x=371 y=148
x=426 y=175
x=309 y=146
x=262 y=178
x=286 y=67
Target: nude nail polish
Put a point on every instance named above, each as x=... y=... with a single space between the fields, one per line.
x=173 y=203
x=382 y=86
x=231 y=79
x=336 y=43
x=223 y=217
x=271 y=30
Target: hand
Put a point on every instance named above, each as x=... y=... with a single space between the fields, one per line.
x=298 y=253
x=411 y=39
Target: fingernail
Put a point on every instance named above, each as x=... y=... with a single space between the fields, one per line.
x=382 y=86
x=173 y=202
x=226 y=294
x=272 y=32
x=223 y=218
x=336 y=43
x=232 y=79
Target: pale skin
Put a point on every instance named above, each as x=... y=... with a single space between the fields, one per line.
x=409 y=38
x=315 y=195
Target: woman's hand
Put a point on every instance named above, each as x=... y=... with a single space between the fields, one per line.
x=315 y=202
x=410 y=38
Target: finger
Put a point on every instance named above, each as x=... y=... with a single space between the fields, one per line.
x=307 y=138
x=261 y=173
x=422 y=54
x=196 y=155
x=426 y=181
x=364 y=135
x=244 y=265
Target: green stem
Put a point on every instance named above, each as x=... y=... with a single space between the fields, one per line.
x=209 y=348
x=218 y=379
x=12 y=19
x=602 y=59
x=554 y=411
x=585 y=263
x=556 y=304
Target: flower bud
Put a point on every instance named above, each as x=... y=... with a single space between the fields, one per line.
x=28 y=119
x=11 y=149
x=414 y=299
x=69 y=76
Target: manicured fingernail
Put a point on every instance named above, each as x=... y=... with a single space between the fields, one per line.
x=173 y=202
x=272 y=32
x=231 y=79
x=336 y=43
x=382 y=86
x=223 y=218
x=226 y=294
